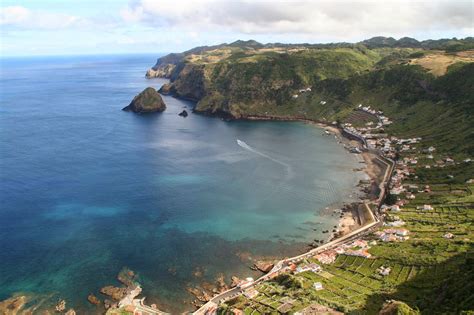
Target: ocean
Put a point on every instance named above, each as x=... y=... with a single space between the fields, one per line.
x=87 y=189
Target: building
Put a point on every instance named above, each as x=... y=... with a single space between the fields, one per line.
x=326 y=257
x=359 y=252
x=392 y=235
x=384 y=271
x=448 y=235
x=250 y=293
x=318 y=286
x=311 y=267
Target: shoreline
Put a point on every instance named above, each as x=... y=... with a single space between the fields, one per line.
x=371 y=222
x=354 y=213
x=350 y=218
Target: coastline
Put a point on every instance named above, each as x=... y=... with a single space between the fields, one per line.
x=354 y=214
x=350 y=219
x=370 y=221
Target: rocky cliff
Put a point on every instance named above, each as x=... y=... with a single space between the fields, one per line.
x=236 y=82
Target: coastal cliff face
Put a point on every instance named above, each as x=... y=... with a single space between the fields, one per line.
x=327 y=82
x=163 y=71
x=239 y=82
x=190 y=82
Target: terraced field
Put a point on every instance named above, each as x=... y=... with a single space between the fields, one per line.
x=359 y=118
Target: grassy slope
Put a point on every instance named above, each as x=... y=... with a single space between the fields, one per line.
x=260 y=83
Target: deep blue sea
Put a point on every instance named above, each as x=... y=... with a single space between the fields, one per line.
x=86 y=188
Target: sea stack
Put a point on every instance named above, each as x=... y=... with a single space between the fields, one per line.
x=148 y=101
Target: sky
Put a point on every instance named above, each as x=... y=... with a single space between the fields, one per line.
x=72 y=27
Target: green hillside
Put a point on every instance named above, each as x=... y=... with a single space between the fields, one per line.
x=250 y=79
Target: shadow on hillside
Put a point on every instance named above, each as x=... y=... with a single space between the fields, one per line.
x=445 y=288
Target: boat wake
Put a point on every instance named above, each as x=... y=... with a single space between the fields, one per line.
x=245 y=146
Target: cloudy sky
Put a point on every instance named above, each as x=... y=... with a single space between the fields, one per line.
x=62 y=27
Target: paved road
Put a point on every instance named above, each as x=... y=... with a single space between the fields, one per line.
x=282 y=264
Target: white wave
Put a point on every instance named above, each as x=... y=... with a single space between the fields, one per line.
x=245 y=146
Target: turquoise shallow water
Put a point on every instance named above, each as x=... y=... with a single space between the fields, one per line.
x=86 y=188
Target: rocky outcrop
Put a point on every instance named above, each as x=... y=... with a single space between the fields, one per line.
x=61 y=305
x=221 y=285
x=93 y=299
x=127 y=277
x=263 y=266
x=235 y=281
x=115 y=293
x=163 y=71
x=12 y=305
x=165 y=89
x=200 y=294
x=184 y=113
x=148 y=101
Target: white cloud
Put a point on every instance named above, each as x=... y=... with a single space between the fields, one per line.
x=337 y=19
x=14 y=15
x=24 y=18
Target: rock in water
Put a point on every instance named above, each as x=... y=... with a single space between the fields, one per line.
x=116 y=293
x=93 y=299
x=12 y=305
x=147 y=101
x=61 y=306
x=263 y=266
x=184 y=113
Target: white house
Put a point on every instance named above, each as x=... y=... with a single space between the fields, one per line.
x=318 y=286
x=384 y=271
x=448 y=235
